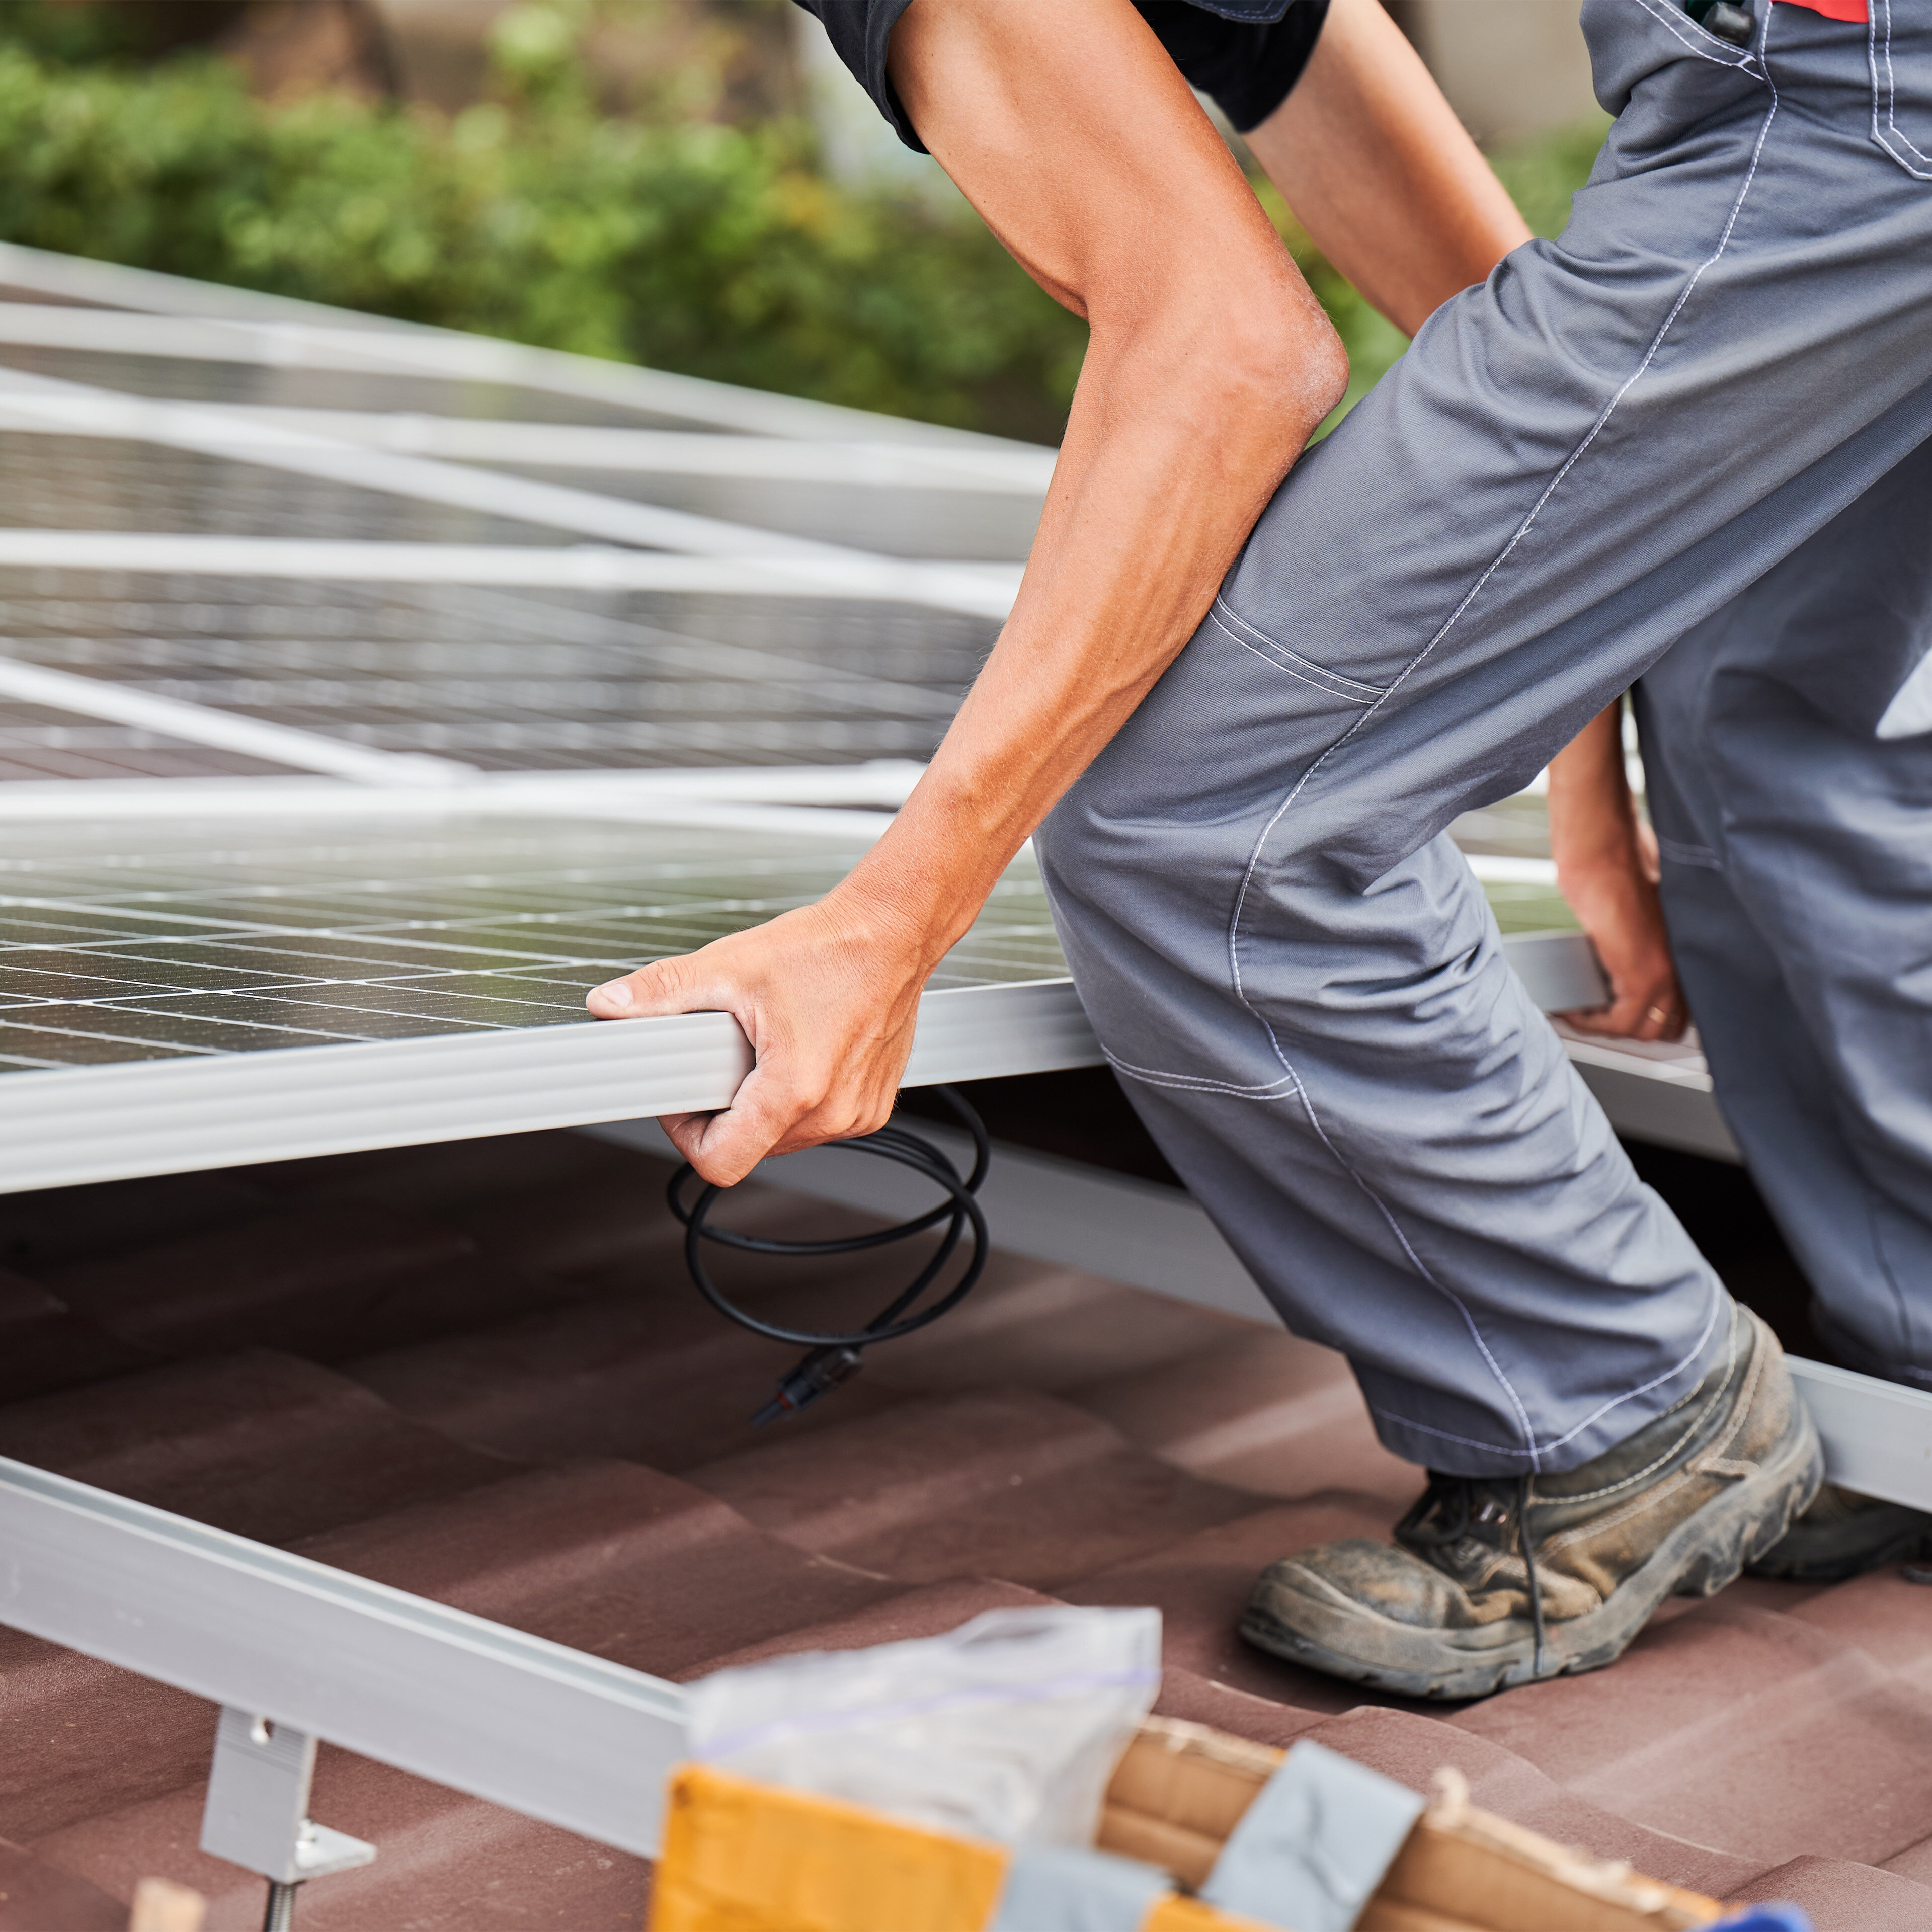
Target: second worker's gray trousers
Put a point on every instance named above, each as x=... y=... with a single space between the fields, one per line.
x=1788 y=741
x=1573 y=466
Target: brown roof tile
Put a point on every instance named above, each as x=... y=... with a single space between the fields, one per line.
x=1002 y=1481
x=35 y=1895
x=261 y=1444
x=1840 y=1897
x=477 y=1372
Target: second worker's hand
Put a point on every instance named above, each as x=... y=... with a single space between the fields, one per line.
x=826 y=995
x=1615 y=902
x=1606 y=865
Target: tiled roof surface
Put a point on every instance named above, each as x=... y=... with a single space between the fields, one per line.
x=478 y=1372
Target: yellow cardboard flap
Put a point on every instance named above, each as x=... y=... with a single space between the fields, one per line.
x=742 y=1857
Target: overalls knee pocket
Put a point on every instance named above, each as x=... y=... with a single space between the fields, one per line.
x=1901 y=81
x=1146 y=854
x=1237 y=718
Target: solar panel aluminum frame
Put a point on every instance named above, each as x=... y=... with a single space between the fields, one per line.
x=552 y=1732
x=62 y=1126
x=282 y=329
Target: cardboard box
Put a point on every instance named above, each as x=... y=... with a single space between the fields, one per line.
x=1180 y=1789
x=743 y=1857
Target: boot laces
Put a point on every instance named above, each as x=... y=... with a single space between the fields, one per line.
x=1453 y=1508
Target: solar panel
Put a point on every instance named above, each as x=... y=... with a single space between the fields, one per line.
x=178 y=378
x=535 y=622
x=123 y=941
x=514 y=679
x=191 y=955
x=62 y=482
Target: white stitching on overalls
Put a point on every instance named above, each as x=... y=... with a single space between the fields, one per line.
x=1532 y=1450
x=1596 y=1415
x=1678 y=22
x=1220 y=605
x=1287 y=671
x=1469 y=1442
x=1199 y=1083
x=1890 y=88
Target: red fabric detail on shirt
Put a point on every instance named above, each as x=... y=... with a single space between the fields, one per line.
x=1835 y=10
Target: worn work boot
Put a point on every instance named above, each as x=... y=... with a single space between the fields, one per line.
x=1501 y=1580
x=1843 y=1535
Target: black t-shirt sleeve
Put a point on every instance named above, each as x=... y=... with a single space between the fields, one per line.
x=859 y=30
x=1243 y=59
x=1243 y=55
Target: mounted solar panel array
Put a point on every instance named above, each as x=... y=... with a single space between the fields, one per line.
x=514 y=679
x=367 y=692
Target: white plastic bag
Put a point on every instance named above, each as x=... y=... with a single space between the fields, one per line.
x=1007 y=1728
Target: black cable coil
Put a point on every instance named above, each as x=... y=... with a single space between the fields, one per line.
x=832 y=1359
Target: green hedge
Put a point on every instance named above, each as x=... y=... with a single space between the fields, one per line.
x=714 y=250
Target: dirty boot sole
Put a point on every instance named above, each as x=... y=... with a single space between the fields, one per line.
x=1335 y=1634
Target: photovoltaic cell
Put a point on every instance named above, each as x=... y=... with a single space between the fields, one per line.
x=976 y=526
x=517 y=680
x=37 y=743
x=193 y=380
x=122 y=942
x=54 y=481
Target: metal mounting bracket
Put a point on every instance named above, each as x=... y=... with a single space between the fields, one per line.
x=257 y=1811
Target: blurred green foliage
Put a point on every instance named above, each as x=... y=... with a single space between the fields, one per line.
x=84 y=30
x=711 y=250
x=1541 y=176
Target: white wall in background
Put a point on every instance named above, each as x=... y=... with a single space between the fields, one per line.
x=1510 y=67
x=861 y=148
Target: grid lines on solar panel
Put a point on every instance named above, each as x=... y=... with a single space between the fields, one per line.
x=276 y=386
x=119 y=943
x=37 y=743
x=52 y=481
x=973 y=525
x=517 y=680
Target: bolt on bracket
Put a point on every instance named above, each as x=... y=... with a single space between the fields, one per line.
x=257 y=1812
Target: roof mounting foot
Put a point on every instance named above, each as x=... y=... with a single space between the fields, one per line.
x=257 y=1811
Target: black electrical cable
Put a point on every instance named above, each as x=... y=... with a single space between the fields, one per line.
x=833 y=1358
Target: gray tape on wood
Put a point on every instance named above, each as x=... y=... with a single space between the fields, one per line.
x=1063 y=1889
x=1314 y=1845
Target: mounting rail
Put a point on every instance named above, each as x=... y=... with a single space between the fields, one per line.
x=548 y=1731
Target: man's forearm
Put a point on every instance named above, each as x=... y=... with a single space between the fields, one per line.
x=1592 y=815
x=1203 y=380
x=1144 y=522
x=1210 y=364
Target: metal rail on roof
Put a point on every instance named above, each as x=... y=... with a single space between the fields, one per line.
x=546 y=1730
x=1877 y=1435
